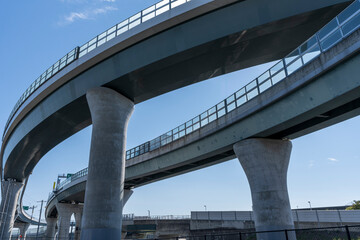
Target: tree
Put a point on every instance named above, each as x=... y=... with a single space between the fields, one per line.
x=354 y=206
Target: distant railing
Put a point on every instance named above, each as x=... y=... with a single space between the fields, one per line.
x=118 y=29
x=163 y=217
x=337 y=29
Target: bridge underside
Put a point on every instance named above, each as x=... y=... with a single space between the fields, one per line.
x=306 y=101
x=146 y=76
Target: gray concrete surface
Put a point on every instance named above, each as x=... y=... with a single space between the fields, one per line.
x=265 y=162
x=78 y=219
x=10 y=194
x=64 y=216
x=50 y=228
x=110 y=113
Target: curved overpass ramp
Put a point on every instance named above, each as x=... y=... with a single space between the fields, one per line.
x=208 y=39
x=287 y=101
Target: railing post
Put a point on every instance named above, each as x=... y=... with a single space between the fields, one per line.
x=318 y=42
x=286 y=234
x=240 y=237
x=347 y=232
x=285 y=69
x=77 y=52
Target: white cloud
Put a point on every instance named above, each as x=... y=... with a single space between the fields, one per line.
x=74 y=16
x=86 y=14
x=333 y=160
x=108 y=0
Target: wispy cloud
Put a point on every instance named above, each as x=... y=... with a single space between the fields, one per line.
x=74 y=16
x=86 y=14
x=333 y=159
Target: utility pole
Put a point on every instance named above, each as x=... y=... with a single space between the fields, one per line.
x=37 y=232
x=32 y=211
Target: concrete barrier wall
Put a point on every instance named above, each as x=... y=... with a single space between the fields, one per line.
x=330 y=216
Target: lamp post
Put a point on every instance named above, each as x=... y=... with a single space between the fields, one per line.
x=205 y=208
x=310 y=205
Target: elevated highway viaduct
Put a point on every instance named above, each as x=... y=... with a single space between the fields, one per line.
x=275 y=114
x=209 y=39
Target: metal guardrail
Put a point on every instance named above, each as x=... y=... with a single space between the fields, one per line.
x=337 y=29
x=77 y=52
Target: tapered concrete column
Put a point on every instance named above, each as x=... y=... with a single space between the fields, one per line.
x=78 y=219
x=23 y=227
x=110 y=113
x=64 y=216
x=50 y=228
x=10 y=195
x=265 y=162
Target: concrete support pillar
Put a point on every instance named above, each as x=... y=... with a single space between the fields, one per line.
x=10 y=194
x=110 y=113
x=65 y=211
x=50 y=228
x=265 y=162
x=23 y=227
x=78 y=219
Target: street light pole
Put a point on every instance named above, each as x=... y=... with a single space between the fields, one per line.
x=310 y=205
x=205 y=208
x=37 y=232
x=32 y=211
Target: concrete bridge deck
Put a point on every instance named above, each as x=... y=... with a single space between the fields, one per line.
x=271 y=112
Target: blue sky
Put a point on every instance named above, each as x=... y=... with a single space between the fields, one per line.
x=34 y=34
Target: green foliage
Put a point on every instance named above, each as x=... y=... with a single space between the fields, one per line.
x=354 y=206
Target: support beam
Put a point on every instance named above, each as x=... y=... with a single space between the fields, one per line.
x=265 y=162
x=110 y=113
x=50 y=228
x=10 y=190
